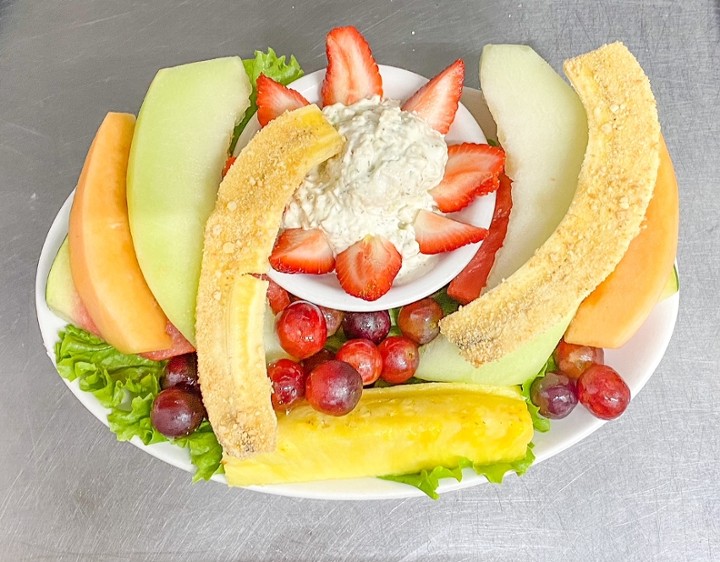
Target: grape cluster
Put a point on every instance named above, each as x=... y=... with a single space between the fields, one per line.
x=332 y=382
x=581 y=377
x=178 y=408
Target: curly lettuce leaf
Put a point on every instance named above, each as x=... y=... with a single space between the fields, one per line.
x=427 y=481
x=272 y=66
x=205 y=451
x=127 y=386
x=495 y=472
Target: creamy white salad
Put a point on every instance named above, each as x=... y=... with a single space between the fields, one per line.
x=377 y=184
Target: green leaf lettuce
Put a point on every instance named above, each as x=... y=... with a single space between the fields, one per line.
x=428 y=481
x=127 y=386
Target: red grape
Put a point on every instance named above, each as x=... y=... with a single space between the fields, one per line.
x=400 y=359
x=573 y=359
x=288 y=382
x=301 y=329
x=373 y=326
x=334 y=388
x=364 y=356
x=603 y=391
x=314 y=360
x=554 y=394
x=419 y=320
x=333 y=319
x=177 y=412
x=181 y=370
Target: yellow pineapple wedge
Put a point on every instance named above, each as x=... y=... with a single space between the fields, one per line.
x=239 y=235
x=394 y=430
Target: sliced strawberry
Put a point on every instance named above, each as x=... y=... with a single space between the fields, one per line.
x=368 y=268
x=228 y=164
x=470 y=282
x=436 y=234
x=302 y=251
x=471 y=170
x=437 y=101
x=274 y=99
x=352 y=73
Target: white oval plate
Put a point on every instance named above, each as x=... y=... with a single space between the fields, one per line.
x=636 y=361
x=324 y=289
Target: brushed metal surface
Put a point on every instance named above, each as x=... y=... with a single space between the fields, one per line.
x=642 y=488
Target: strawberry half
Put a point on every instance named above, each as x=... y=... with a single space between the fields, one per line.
x=471 y=170
x=437 y=101
x=274 y=99
x=302 y=251
x=352 y=73
x=470 y=282
x=368 y=268
x=228 y=164
x=436 y=234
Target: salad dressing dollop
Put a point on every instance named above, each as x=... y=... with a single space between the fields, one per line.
x=377 y=184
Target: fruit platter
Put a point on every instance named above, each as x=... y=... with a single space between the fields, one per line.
x=361 y=283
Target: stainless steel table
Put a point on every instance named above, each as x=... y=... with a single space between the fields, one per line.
x=642 y=488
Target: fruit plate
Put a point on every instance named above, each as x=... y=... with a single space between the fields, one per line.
x=325 y=290
x=636 y=361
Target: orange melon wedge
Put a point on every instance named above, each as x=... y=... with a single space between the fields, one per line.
x=615 y=310
x=104 y=267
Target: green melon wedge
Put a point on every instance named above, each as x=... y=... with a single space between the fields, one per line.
x=441 y=361
x=180 y=145
x=542 y=126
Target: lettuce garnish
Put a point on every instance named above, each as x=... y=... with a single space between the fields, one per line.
x=127 y=386
x=428 y=481
x=272 y=66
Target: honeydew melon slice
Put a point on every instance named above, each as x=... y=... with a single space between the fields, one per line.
x=180 y=146
x=441 y=361
x=615 y=185
x=542 y=126
x=62 y=296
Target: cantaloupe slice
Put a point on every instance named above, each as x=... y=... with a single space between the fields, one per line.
x=104 y=267
x=63 y=299
x=615 y=185
x=614 y=311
